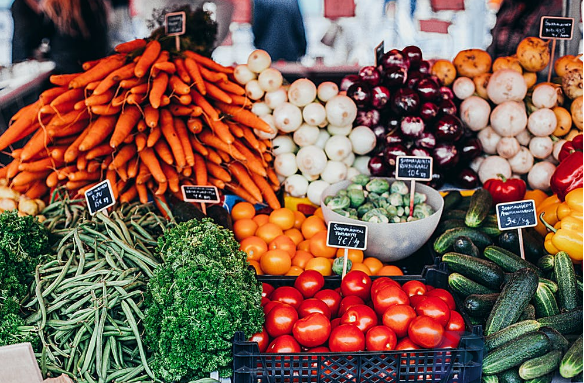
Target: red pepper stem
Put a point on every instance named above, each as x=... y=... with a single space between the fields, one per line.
x=547 y=225
x=502 y=177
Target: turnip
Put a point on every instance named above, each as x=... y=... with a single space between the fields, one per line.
x=311 y=177
x=463 y=87
x=302 y=92
x=361 y=163
x=524 y=137
x=572 y=83
x=243 y=74
x=489 y=140
x=314 y=113
x=260 y=108
x=323 y=137
x=285 y=164
x=475 y=112
x=542 y=122
x=296 y=185
x=506 y=85
x=339 y=130
x=540 y=174
x=341 y=110
x=492 y=166
x=508 y=118
x=541 y=147
x=276 y=98
x=315 y=190
x=269 y=119
x=283 y=144
x=522 y=162
x=253 y=90
x=507 y=147
x=349 y=159
x=270 y=79
x=327 y=90
x=287 y=117
x=258 y=61
x=334 y=171
x=363 y=140
x=544 y=96
x=311 y=160
x=338 y=147
x=306 y=135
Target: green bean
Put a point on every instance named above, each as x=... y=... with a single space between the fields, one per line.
x=76 y=342
x=141 y=231
x=77 y=304
x=40 y=300
x=105 y=364
x=134 y=326
x=46 y=268
x=123 y=228
x=110 y=225
x=125 y=374
x=99 y=344
x=134 y=306
x=88 y=377
x=91 y=347
x=141 y=378
x=56 y=282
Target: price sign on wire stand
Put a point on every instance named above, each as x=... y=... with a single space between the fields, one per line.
x=175 y=25
x=100 y=197
x=202 y=194
x=517 y=215
x=555 y=28
x=413 y=168
x=346 y=236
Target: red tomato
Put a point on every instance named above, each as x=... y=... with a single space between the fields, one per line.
x=335 y=322
x=283 y=344
x=313 y=305
x=435 y=308
x=388 y=296
x=346 y=338
x=267 y=290
x=450 y=339
x=289 y=295
x=444 y=295
x=380 y=338
x=262 y=338
x=398 y=318
x=414 y=288
x=415 y=299
x=265 y=301
x=280 y=320
x=347 y=302
x=380 y=282
x=331 y=298
x=269 y=306
x=309 y=282
x=428 y=288
x=362 y=316
x=357 y=283
x=313 y=330
x=406 y=343
x=319 y=349
x=455 y=323
x=425 y=331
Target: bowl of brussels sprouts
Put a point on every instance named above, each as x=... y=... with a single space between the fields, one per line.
x=383 y=205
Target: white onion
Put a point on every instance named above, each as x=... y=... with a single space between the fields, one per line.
x=327 y=90
x=463 y=87
x=314 y=113
x=492 y=166
x=522 y=162
x=258 y=61
x=253 y=90
x=285 y=164
x=349 y=159
x=352 y=172
x=361 y=163
x=283 y=144
x=362 y=139
x=311 y=177
x=542 y=122
x=544 y=96
x=338 y=147
x=340 y=110
x=524 y=137
x=270 y=79
x=287 y=117
x=276 y=98
x=541 y=147
x=507 y=147
x=506 y=85
x=306 y=135
x=311 y=160
x=508 y=118
x=489 y=140
x=323 y=137
x=243 y=75
x=334 y=171
x=260 y=108
x=340 y=130
x=540 y=174
x=475 y=112
x=315 y=189
x=296 y=185
x=302 y=92
x=269 y=119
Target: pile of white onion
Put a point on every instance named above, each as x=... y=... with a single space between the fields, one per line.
x=314 y=141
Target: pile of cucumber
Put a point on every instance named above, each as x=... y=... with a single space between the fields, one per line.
x=531 y=313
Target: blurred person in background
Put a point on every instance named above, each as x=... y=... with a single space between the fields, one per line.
x=278 y=28
x=68 y=32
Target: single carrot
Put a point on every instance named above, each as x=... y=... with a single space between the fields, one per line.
x=40 y=165
x=244 y=117
x=141 y=126
x=212 y=76
x=99 y=71
x=15 y=153
x=63 y=141
x=198 y=146
x=163 y=66
x=149 y=56
x=231 y=87
x=76 y=185
x=208 y=109
x=123 y=73
x=64 y=131
x=181 y=70
x=273 y=177
x=84 y=175
x=148 y=158
x=59 y=109
x=37 y=142
x=142 y=192
x=129 y=195
x=135 y=99
x=50 y=94
x=154 y=136
x=195 y=125
x=112 y=177
x=200 y=170
x=209 y=63
x=27 y=178
x=193 y=70
x=123 y=156
x=62 y=79
x=218 y=172
x=158 y=88
x=169 y=132
x=81 y=161
x=217 y=93
x=214 y=157
x=100 y=99
x=235 y=129
x=105 y=110
x=164 y=101
x=58 y=152
x=130 y=46
x=140 y=140
x=63 y=173
x=225 y=157
x=240 y=191
x=98 y=131
x=120 y=99
x=122 y=171
x=262 y=147
x=68 y=96
x=216 y=182
x=197 y=111
x=171 y=176
x=121 y=186
x=20 y=128
x=143 y=174
x=253 y=163
x=184 y=99
x=125 y=124
x=250 y=137
x=245 y=180
x=37 y=190
x=79 y=105
x=140 y=88
x=133 y=165
x=52 y=179
x=12 y=168
x=106 y=161
x=183 y=135
x=267 y=191
x=69 y=118
x=164 y=56
x=151 y=116
x=187 y=171
x=268 y=157
x=221 y=130
x=180 y=110
x=87 y=65
x=132 y=82
x=93 y=166
x=178 y=86
x=92 y=85
x=164 y=152
x=241 y=101
x=214 y=141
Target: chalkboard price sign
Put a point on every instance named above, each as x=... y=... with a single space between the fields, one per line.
x=205 y=194
x=516 y=215
x=100 y=197
x=414 y=168
x=347 y=236
x=175 y=23
x=560 y=28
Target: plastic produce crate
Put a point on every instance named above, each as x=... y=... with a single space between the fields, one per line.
x=463 y=364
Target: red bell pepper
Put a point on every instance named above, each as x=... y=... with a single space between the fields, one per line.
x=569 y=172
x=505 y=190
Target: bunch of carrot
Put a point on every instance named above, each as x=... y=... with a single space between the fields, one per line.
x=147 y=120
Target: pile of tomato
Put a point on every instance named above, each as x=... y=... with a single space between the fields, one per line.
x=361 y=314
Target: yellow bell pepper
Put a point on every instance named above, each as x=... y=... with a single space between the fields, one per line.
x=548 y=245
x=574 y=199
x=538 y=196
x=549 y=208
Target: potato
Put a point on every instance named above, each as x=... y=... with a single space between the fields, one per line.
x=7 y=204
x=445 y=71
x=472 y=62
x=572 y=83
x=481 y=81
x=566 y=63
x=6 y=192
x=507 y=62
x=576 y=111
x=27 y=206
x=564 y=121
x=533 y=54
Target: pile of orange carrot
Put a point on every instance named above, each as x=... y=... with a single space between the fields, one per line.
x=149 y=121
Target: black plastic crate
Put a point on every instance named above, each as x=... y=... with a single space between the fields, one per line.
x=463 y=364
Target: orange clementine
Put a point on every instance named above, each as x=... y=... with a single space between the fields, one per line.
x=294 y=271
x=241 y=210
x=244 y=227
x=318 y=246
x=318 y=213
x=373 y=264
x=390 y=270
x=299 y=217
x=295 y=235
x=282 y=217
x=254 y=247
x=360 y=266
x=354 y=255
x=276 y=262
x=311 y=226
x=256 y=266
x=320 y=264
x=304 y=245
x=283 y=242
x=260 y=219
x=268 y=231
x=301 y=258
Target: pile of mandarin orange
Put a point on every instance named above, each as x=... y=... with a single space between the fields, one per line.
x=286 y=242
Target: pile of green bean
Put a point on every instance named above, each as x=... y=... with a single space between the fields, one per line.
x=87 y=301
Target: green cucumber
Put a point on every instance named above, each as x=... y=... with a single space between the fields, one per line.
x=480 y=270
x=490 y=379
x=559 y=342
x=514 y=298
x=490 y=230
x=510 y=376
x=444 y=242
x=542 y=379
x=514 y=353
x=544 y=302
x=553 y=286
x=480 y=304
x=528 y=313
x=464 y=245
x=567 y=322
x=565 y=277
x=480 y=205
x=465 y=286
x=546 y=262
x=510 y=333
x=452 y=199
x=508 y=260
x=571 y=363
x=454 y=214
x=541 y=365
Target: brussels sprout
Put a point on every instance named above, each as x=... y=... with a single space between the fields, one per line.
x=423 y=210
x=342 y=192
x=339 y=202
x=385 y=194
x=407 y=211
x=354 y=187
x=396 y=199
x=400 y=211
x=327 y=199
x=377 y=185
x=373 y=197
x=420 y=198
x=391 y=211
x=399 y=187
x=354 y=216
x=375 y=216
x=361 y=179
x=357 y=197
x=338 y=265
x=405 y=199
x=342 y=212
x=364 y=208
x=395 y=219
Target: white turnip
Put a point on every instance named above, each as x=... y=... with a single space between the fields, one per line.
x=544 y=96
x=338 y=147
x=311 y=160
x=296 y=185
x=341 y=110
x=270 y=79
x=492 y=166
x=540 y=174
x=463 y=87
x=489 y=140
x=306 y=135
x=507 y=147
x=541 y=147
x=243 y=74
x=269 y=119
x=475 y=112
x=314 y=114
x=285 y=164
x=542 y=122
x=522 y=162
x=334 y=171
x=283 y=144
x=315 y=189
x=302 y=92
x=361 y=163
x=327 y=90
x=258 y=61
x=508 y=118
x=253 y=90
x=287 y=117
x=276 y=98
x=506 y=85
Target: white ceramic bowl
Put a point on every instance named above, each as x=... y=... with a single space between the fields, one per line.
x=390 y=242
